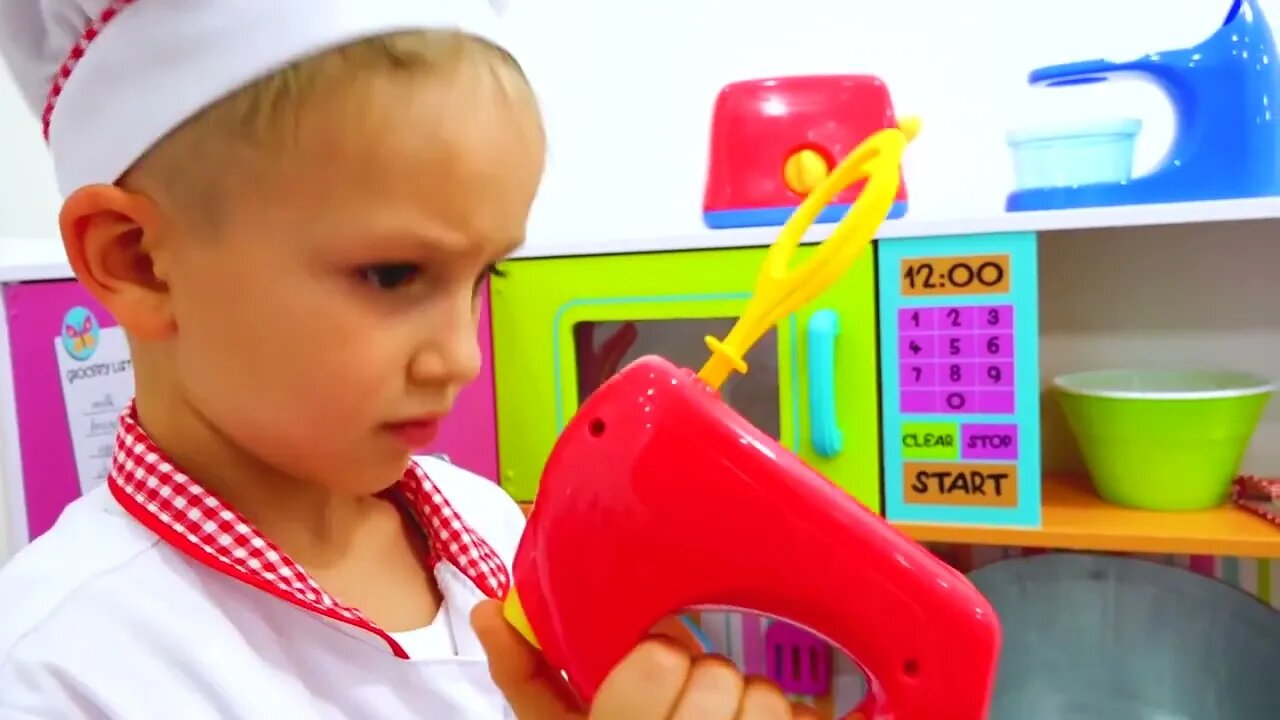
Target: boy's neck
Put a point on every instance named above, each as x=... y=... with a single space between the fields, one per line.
x=309 y=522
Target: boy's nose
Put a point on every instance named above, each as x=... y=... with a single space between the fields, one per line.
x=450 y=353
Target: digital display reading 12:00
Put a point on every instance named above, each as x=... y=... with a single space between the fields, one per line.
x=974 y=275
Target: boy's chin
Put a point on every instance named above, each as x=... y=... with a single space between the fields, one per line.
x=373 y=475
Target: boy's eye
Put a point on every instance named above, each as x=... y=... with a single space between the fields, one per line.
x=391 y=275
x=491 y=271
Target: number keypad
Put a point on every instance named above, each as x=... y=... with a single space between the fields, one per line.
x=956 y=359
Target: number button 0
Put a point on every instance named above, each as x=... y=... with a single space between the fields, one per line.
x=956 y=401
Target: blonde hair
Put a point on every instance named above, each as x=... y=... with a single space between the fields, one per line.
x=263 y=114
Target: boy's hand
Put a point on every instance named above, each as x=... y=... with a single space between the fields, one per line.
x=664 y=678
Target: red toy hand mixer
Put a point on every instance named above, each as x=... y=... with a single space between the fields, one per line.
x=658 y=497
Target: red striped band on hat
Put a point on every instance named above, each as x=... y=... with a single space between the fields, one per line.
x=91 y=32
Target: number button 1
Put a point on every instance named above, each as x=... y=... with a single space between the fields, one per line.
x=911 y=320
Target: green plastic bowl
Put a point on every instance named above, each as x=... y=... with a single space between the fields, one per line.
x=1161 y=439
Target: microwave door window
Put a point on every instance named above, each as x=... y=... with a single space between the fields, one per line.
x=603 y=348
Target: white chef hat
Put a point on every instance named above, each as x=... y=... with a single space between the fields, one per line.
x=109 y=78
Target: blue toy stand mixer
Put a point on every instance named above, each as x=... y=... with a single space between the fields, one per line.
x=1227 y=134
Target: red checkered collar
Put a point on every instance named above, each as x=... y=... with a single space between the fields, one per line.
x=182 y=513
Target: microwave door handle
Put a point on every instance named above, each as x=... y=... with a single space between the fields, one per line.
x=824 y=430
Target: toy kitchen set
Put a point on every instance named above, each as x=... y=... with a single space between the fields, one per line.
x=914 y=382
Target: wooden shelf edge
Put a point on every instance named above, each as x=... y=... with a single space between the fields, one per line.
x=1119 y=542
x=1075 y=518
x=612 y=241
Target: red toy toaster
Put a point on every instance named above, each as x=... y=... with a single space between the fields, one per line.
x=773 y=140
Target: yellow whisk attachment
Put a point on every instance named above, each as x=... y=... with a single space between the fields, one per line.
x=781 y=290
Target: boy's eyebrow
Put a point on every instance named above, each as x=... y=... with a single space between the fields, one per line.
x=417 y=239
x=447 y=243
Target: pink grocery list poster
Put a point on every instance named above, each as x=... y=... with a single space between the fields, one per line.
x=68 y=357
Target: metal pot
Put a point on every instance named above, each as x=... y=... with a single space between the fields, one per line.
x=1093 y=637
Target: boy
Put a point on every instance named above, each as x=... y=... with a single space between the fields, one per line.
x=289 y=206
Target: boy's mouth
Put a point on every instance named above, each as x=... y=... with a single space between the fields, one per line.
x=415 y=434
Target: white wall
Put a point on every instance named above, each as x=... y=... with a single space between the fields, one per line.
x=28 y=196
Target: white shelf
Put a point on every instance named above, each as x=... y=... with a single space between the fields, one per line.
x=43 y=258
x=33 y=259
x=909 y=227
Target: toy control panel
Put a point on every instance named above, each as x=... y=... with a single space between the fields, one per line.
x=960 y=382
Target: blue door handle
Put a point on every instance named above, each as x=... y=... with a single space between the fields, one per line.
x=824 y=430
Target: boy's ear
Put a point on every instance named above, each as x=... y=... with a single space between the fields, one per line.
x=116 y=247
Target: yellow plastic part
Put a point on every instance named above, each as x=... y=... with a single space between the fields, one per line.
x=804 y=171
x=779 y=290
x=513 y=611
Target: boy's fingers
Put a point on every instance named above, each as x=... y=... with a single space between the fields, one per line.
x=646 y=684
x=673 y=628
x=534 y=691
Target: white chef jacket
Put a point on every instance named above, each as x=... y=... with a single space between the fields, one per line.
x=112 y=615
